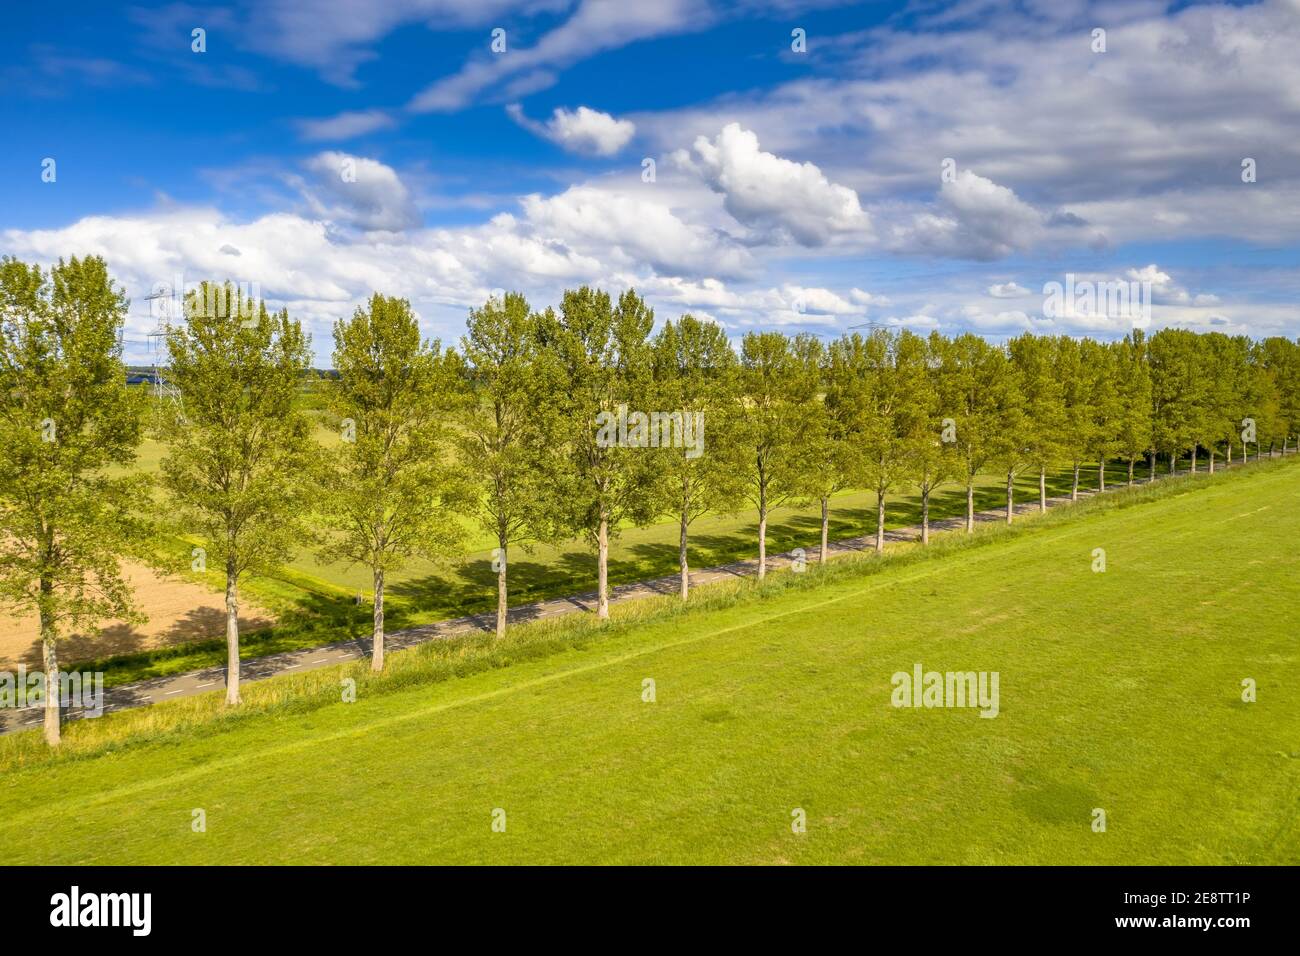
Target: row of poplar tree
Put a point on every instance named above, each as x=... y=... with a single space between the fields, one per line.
x=502 y=432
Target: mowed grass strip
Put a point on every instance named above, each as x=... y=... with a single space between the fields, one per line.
x=1118 y=690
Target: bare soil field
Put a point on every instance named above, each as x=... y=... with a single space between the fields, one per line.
x=178 y=612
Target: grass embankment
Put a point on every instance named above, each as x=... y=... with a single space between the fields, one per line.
x=1119 y=690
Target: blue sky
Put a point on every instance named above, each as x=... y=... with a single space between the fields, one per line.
x=319 y=151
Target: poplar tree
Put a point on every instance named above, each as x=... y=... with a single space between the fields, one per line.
x=695 y=376
x=390 y=484
x=67 y=415
x=824 y=444
x=928 y=459
x=862 y=401
x=502 y=428
x=1264 y=401
x=1076 y=433
x=1044 y=404
x=977 y=370
x=774 y=395
x=1133 y=375
x=1282 y=357
x=240 y=448
x=1009 y=441
x=1103 y=406
x=1175 y=385
x=603 y=473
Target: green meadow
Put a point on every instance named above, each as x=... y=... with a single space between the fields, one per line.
x=1120 y=691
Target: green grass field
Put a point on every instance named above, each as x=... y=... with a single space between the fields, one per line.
x=1118 y=690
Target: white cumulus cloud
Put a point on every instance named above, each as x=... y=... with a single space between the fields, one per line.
x=583 y=130
x=771 y=194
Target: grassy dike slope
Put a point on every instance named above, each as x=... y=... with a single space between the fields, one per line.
x=1119 y=690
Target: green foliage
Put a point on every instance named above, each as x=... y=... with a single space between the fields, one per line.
x=66 y=416
x=695 y=377
x=239 y=451
x=391 y=490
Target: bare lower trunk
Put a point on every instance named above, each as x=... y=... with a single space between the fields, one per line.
x=1011 y=506
x=682 y=563
x=1229 y=451
x=1193 y=459
x=602 y=569
x=377 y=638
x=1211 y=459
x=762 y=541
x=970 y=504
x=1152 y=475
x=1132 y=463
x=53 y=732
x=1173 y=463
x=925 y=515
x=1074 y=486
x=1042 y=489
x=503 y=590
x=1101 y=476
x=880 y=522
x=826 y=527
x=232 y=636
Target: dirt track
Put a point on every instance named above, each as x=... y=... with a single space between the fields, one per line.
x=178 y=612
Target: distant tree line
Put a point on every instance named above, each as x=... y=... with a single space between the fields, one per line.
x=547 y=425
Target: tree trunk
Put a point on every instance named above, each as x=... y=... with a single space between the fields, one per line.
x=232 y=635
x=1074 y=485
x=53 y=711
x=682 y=563
x=925 y=515
x=1042 y=489
x=826 y=527
x=1011 y=507
x=602 y=568
x=970 y=504
x=1101 y=476
x=1132 y=463
x=1173 y=463
x=880 y=522
x=1211 y=459
x=503 y=591
x=1194 y=459
x=377 y=640
x=1152 y=475
x=1229 y=451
